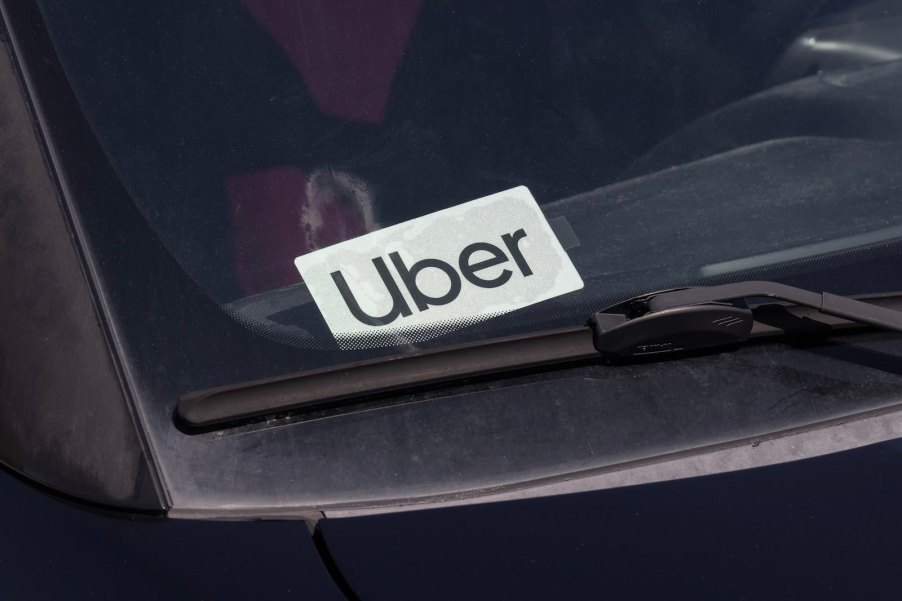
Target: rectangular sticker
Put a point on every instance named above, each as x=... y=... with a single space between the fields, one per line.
x=440 y=272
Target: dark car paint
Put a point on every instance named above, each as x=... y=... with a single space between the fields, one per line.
x=60 y=394
x=821 y=527
x=53 y=550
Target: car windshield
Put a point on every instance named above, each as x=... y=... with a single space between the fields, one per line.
x=285 y=152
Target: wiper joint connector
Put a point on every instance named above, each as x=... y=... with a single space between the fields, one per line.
x=704 y=317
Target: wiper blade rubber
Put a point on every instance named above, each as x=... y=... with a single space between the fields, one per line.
x=658 y=323
x=368 y=378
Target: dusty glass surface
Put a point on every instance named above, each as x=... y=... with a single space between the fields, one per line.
x=668 y=143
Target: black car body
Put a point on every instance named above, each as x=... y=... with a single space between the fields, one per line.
x=670 y=145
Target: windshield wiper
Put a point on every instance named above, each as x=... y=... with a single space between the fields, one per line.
x=697 y=318
x=657 y=323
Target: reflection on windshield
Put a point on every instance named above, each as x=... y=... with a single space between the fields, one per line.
x=683 y=143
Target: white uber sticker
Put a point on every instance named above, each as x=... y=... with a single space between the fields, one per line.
x=440 y=272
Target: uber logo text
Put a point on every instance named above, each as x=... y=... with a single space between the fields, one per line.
x=433 y=274
x=466 y=265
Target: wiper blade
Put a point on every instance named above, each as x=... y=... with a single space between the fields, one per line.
x=651 y=324
x=697 y=318
x=313 y=389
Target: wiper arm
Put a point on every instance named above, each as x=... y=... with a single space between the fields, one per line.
x=656 y=323
x=697 y=318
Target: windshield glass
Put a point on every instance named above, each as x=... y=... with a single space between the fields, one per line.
x=665 y=144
